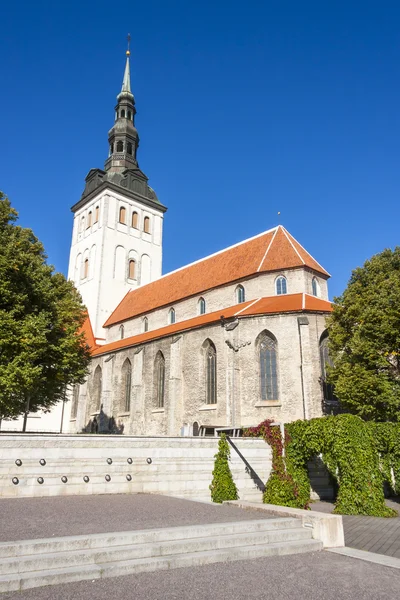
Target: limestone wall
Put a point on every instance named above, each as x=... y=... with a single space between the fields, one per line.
x=173 y=466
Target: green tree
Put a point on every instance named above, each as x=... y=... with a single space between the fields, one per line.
x=364 y=340
x=222 y=486
x=41 y=314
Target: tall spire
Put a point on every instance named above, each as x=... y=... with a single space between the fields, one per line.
x=123 y=138
x=126 y=84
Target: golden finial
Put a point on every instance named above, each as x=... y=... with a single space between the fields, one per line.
x=128 y=52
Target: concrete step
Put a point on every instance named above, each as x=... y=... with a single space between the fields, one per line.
x=61 y=560
x=143 y=536
x=39 y=578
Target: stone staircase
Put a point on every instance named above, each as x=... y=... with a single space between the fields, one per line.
x=33 y=563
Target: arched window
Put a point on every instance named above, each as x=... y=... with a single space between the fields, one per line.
x=96 y=390
x=132 y=269
x=330 y=401
x=85 y=268
x=121 y=332
x=82 y=227
x=210 y=355
x=126 y=382
x=129 y=148
x=96 y=214
x=159 y=378
x=122 y=114
x=240 y=295
x=129 y=115
x=111 y=149
x=135 y=220
x=75 y=399
x=202 y=306
x=171 y=316
x=316 y=290
x=89 y=220
x=122 y=215
x=267 y=347
x=281 y=285
x=145 y=324
x=146 y=225
x=120 y=146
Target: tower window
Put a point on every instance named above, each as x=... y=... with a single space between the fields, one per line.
x=86 y=268
x=120 y=146
x=82 y=224
x=281 y=285
x=89 y=220
x=96 y=214
x=146 y=225
x=171 y=316
x=132 y=269
x=240 y=296
x=122 y=114
x=129 y=148
x=111 y=149
x=129 y=115
x=122 y=215
x=135 y=220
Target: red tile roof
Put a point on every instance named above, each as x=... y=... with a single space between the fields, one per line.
x=273 y=250
x=272 y=305
x=87 y=330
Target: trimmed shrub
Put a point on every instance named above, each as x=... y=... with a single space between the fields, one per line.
x=222 y=486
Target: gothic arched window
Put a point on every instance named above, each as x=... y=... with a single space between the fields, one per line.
x=82 y=227
x=240 y=295
x=129 y=148
x=146 y=225
x=132 y=269
x=122 y=215
x=159 y=378
x=89 y=220
x=75 y=399
x=267 y=347
x=281 y=285
x=135 y=220
x=145 y=324
x=96 y=390
x=171 y=316
x=120 y=146
x=126 y=381
x=96 y=214
x=316 y=290
x=202 y=306
x=121 y=332
x=210 y=367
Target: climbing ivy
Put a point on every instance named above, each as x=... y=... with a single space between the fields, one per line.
x=222 y=486
x=359 y=455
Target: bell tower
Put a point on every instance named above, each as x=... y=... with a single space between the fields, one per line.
x=118 y=221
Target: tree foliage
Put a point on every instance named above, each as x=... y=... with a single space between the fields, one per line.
x=364 y=340
x=222 y=486
x=41 y=348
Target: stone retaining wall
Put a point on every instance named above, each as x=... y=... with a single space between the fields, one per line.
x=176 y=466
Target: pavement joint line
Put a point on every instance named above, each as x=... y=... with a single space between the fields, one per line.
x=380 y=559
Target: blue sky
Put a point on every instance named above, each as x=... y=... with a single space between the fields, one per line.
x=244 y=110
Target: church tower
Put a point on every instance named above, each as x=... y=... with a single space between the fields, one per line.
x=117 y=231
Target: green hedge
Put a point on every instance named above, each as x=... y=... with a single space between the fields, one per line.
x=358 y=455
x=222 y=486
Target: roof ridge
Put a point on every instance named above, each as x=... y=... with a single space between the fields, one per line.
x=267 y=250
x=248 y=306
x=293 y=246
x=306 y=251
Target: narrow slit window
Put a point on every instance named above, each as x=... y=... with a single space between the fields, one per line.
x=122 y=215
x=132 y=269
x=96 y=214
x=85 y=268
x=171 y=316
x=135 y=220
x=146 y=225
x=211 y=373
x=89 y=220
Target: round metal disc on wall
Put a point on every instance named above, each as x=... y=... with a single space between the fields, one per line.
x=64 y=479
x=107 y=478
x=129 y=461
x=109 y=460
x=15 y=480
x=86 y=479
x=40 y=480
x=129 y=477
x=149 y=461
x=42 y=462
x=18 y=462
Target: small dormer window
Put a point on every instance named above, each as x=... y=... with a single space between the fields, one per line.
x=281 y=285
x=120 y=146
x=316 y=289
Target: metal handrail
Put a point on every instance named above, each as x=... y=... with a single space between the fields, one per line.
x=249 y=469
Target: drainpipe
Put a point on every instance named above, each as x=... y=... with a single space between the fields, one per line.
x=301 y=321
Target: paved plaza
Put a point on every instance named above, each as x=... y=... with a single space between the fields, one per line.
x=373 y=534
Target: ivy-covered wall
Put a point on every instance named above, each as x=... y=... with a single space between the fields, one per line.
x=359 y=455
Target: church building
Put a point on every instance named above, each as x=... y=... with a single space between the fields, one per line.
x=219 y=344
